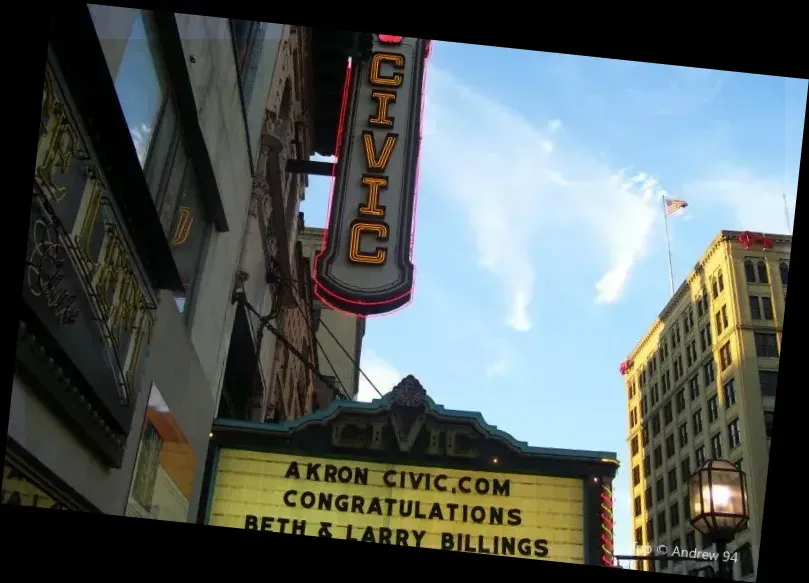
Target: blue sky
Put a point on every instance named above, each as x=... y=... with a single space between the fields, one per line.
x=540 y=250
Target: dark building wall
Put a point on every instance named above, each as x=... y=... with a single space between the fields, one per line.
x=186 y=357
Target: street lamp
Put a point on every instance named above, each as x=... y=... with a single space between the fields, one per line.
x=718 y=497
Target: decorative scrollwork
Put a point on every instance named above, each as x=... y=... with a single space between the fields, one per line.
x=409 y=392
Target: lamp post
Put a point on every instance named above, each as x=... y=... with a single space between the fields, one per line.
x=718 y=498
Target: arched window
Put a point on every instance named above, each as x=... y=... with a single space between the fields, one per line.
x=762 y=272
x=749 y=271
x=784 y=269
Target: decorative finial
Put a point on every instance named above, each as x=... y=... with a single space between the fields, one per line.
x=409 y=392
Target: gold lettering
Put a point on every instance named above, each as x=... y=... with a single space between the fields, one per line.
x=183 y=228
x=56 y=149
x=90 y=207
x=350 y=434
x=406 y=440
x=141 y=337
x=371 y=207
x=379 y=256
x=378 y=163
x=47 y=105
x=376 y=77
x=125 y=305
x=383 y=101
x=454 y=449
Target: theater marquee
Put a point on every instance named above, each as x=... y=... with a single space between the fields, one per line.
x=365 y=266
x=403 y=471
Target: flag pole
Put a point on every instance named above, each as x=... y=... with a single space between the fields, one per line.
x=668 y=244
x=786 y=215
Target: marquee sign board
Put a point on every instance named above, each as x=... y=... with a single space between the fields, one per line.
x=365 y=267
x=405 y=471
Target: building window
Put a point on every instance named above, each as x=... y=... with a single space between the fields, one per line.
x=661 y=523
x=725 y=357
x=655 y=394
x=700 y=309
x=638 y=509
x=696 y=418
x=768 y=380
x=769 y=420
x=691 y=353
x=638 y=537
x=763 y=277
x=690 y=537
x=680 y=400
x=688 y=319
x=660 y=493
x=668 y=413
x=678 y=368
x=729 y=393
x=664 y=380
x=656 y=425
x=670 y=446
x=635 y=476
x=709 y=370
x=644 y=408
x=699 y=456
x=672 y=480
x=714 y=288
x=745 y=557
x=635 y=446
x=650 y=529
x=693 y=386
x=749 y=271
x=734 y=437
x=247 y=43
x=675 y=336
x=720 y=279
x=784 y=269
x=755 y=308
x=190 y=229
x=644 y=435
x=705 y=337
x=766 y=308
x=647 y=466
x=674 y=514
x=647 y=497
x=147 y=466
x=766 y=345
x=658 y=457
x=664 y=350
x=713 y=409
x=685 y=470
x=683 y=431
x=716 y=446
x=140 y=81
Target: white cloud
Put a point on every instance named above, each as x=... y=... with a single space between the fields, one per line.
x=517 y=180
x=498 y=367
x=755 y=203
x=382 y=374
x=141 y=136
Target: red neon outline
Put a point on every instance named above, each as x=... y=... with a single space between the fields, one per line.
x=320 y=291
x=389 y=39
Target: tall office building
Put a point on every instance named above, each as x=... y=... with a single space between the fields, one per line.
x=701 y=384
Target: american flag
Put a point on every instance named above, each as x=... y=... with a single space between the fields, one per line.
x=672 y=206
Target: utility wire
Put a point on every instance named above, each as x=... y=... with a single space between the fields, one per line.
x=295 y=295
x=340 y=344
x=265 y=321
